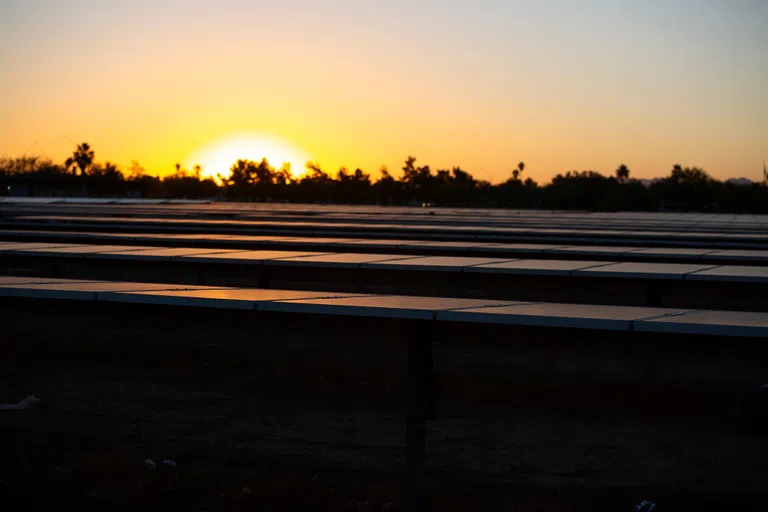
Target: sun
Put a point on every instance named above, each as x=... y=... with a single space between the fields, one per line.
x=216 y=157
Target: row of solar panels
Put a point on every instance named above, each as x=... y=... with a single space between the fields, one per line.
x=429 y=232
x=404 y=246
x=575 y=218
x=635 y=270
x=617 y=318
x=40 y=201
x=528 y=223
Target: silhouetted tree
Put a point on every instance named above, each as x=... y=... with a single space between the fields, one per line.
x=283 y=175
x=518 y=172
x=81 y=159
x=189 y=185
x=238 y=175
x=316 y=185
x=417 y=181
x=352 y=187
x=107 y=170
x=30 y=165
x=462 y=178
x=587 y=190
x=135 y=171
x=387 y=190
x=685 y=187
x=249 y=179
x=409 y=170
x=622 y=173
x=692 y=176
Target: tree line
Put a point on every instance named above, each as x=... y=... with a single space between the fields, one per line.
x=685 y=188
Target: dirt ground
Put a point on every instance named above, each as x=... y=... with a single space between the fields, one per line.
x=307 y=417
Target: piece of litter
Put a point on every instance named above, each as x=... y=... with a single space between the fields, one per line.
x=764 y=386
x=645 y=506
x=150 y=464
x=28 y=403
x=169 y=463
x=247 y=491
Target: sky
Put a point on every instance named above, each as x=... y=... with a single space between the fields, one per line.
x=481 y=84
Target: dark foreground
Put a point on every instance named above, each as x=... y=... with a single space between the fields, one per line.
x=260 y=414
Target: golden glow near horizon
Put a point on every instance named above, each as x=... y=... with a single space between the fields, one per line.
x=217 y=157
x=481 y=84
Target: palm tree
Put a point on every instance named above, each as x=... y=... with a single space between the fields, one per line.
x=622 y=173
x=82 y=158
x=517 y=173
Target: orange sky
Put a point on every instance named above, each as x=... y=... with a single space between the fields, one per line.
x=482 y=84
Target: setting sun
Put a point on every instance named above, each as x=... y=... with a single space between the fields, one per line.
x=216 y=158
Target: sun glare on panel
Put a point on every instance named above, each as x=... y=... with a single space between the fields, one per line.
x=217 y=157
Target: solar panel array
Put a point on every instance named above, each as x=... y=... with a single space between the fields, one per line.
x=622 y=246
x=615 y=318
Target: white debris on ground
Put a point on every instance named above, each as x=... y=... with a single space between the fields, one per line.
x=646 y=506
x=28 y=403
x=149 y=464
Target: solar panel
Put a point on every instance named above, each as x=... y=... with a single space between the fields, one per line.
x=737 y=273
x=226 y=298
x=350 y=260
x=520 y=248
x=81 y=290
x=665 y=252
x=594 y=250
x=376 y=242
x=737 y=254
x=642 y=270
x=447 y=246
x=80 y=249
x=559 y=315
x=15 y=280
x=22 y=246
x=157 y=253
x=440 y=263
x=721 y=323
x=387 y=306
x=246 y=257
x=536 y=267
